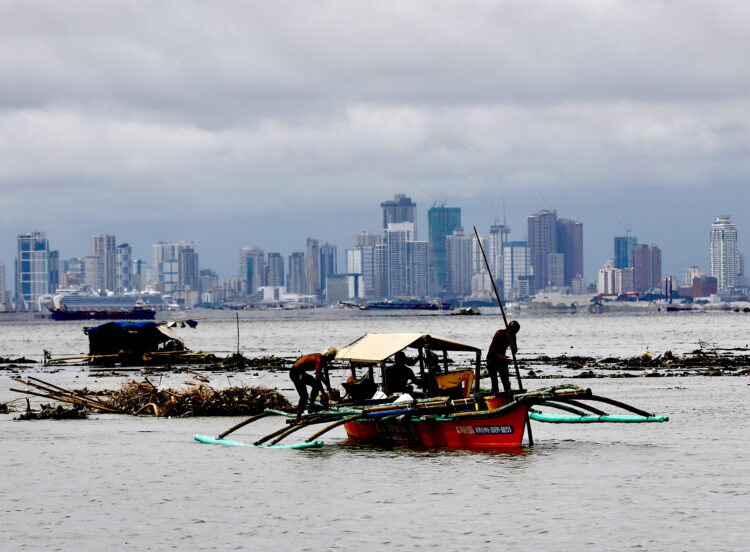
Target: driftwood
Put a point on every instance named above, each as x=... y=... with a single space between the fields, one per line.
x=145 y=398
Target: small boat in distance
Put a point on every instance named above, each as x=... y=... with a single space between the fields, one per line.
x=405 y=305
x=466 y=311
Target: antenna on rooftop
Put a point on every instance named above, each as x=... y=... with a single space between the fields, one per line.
x=627 y=227
x=544 y=199
x=438 y=201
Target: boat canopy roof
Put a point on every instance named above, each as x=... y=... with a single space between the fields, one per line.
x=376 y=347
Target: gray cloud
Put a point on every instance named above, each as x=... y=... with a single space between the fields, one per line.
x=165 y=111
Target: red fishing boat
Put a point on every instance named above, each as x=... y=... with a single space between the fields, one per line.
x=448 y=417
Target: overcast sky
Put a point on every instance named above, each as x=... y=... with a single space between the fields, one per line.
x=264 y=123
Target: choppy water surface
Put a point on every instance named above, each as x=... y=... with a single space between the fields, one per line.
x=143 y=484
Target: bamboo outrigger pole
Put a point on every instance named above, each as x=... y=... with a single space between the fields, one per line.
x=505 y=320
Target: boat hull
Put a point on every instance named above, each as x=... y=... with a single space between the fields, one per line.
x=464 y=432
x=133 y=314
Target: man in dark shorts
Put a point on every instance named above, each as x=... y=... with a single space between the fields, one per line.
x=497 y=361
x=302 y=379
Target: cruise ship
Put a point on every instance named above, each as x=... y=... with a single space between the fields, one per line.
x=87 y=304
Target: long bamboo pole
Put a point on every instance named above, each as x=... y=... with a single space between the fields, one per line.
x=505 y=320
x=242 y=424
x=329 y=427
x=500 y=304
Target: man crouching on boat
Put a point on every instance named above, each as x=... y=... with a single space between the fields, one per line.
x=497 y=361
x=302 y=380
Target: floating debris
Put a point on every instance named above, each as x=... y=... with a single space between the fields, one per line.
x=145 y=398
x=19 y=360
x=59 y=412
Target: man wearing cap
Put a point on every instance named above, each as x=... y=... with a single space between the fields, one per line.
x=302 y=379
x=497 y=361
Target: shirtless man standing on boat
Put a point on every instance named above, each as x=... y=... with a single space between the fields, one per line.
x=497 y=361
x=302 y=380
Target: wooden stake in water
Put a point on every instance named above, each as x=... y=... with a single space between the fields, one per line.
x=238 y=332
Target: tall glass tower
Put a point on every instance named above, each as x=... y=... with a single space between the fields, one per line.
x=724 y=257
x=442 y=221
x=542 y=241
x=624 y=246
x=32 y=269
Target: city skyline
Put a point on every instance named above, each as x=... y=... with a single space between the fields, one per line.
x=158 y=128
x=226 y=268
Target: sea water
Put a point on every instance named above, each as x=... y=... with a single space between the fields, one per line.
x=130 y=483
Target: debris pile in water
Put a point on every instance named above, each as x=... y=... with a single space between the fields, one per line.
x=703 y=362
x=59 y=412
x=238 y=362
x=145 y=398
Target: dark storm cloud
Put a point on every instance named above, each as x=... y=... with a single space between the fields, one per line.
x=219 y=109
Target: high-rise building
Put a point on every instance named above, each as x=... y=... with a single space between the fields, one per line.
x=615 y=281
x=123 y=268
x=380 y=280
x=395 y=237
x=406 y=261
x=417 y=268
x=3 y=289
x=103 y=246
x=441 y=221
x=252 y=265
x=175 y=266
x=297 y=267
x=54 y=270
x=354 y=261
x=312 y=267
x=517 y=266
x=691 y=273
x=328 y=263
x=32 y=270
x=624 y=246
x=499 y=236
x=365 y=239
x=361 y=260
x=340 y=287
x=556 y=269
x=655 y=267
x=542 y=240
x=275 y=270
x=139 y=274
x=646 y=268
x=400 y=209
x=460 y=262
x=188 y=267
x=724 y=258
x=570 y=244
